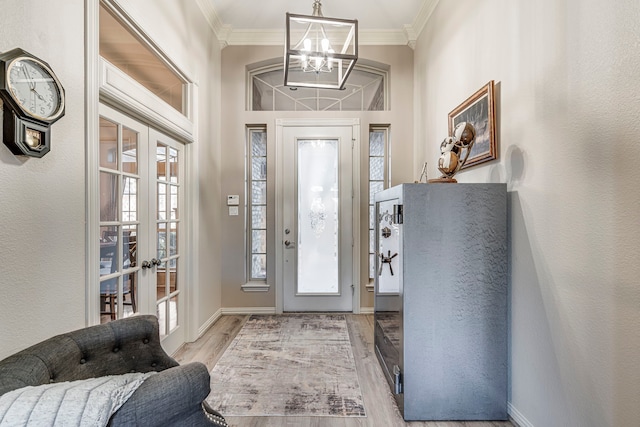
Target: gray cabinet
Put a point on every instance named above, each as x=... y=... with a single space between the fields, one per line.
x=441 y=299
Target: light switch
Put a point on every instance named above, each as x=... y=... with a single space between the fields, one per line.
x=233 y=200
x=233 y=211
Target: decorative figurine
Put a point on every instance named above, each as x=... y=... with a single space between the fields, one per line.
x=455 y=150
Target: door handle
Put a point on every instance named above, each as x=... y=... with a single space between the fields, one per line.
x=148 y=264
x=289 y=245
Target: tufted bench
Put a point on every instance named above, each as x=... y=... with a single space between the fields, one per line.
x=174 y=396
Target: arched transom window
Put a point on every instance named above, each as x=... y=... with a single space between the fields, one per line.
x=365 y=90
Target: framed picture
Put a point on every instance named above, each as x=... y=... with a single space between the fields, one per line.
x=479 y=110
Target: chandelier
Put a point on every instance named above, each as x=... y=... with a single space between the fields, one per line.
x=319 y=52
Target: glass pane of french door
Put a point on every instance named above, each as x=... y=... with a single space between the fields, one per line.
x=119 y=182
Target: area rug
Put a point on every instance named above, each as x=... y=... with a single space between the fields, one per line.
x=299 y=364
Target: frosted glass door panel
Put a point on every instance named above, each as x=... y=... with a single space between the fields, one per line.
x=318 y=224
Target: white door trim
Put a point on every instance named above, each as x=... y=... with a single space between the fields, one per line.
x=355 y=125
x=92 y=159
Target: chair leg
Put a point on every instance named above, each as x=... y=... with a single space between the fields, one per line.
x=132 y=292
x=133 y=299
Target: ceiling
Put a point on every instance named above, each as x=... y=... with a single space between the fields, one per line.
x=258 y=22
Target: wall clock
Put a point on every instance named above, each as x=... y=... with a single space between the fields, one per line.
x=33 y=100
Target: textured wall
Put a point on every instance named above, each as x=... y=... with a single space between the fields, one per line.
x=42 y=279
x=568 y=77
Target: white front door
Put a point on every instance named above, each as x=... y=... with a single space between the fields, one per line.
x=316 y=218
x=141 y=239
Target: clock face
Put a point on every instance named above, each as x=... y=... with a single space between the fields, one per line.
x=35 y=88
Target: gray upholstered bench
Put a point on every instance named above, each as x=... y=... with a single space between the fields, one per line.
x=172 y=397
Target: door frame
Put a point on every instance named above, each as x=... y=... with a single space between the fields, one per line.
x=99 y=88
x=354 y=123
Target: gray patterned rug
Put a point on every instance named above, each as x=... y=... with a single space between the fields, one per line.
x=299 y=364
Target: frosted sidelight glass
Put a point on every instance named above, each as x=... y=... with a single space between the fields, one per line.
x=376 y=168
x=259 y=266
x=318 y=196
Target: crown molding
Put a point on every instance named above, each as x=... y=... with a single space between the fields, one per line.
x=239 y=37
x=411 y=36
x=382 y=37
x=228 y=36
x=219 y=29
x=428 y=6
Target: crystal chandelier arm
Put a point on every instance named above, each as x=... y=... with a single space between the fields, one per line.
x=324 y=36
x=301 y=42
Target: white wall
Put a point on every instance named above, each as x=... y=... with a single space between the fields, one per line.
x=568 y=75
x=42 y=201
x=182 y=32
x=42 y=282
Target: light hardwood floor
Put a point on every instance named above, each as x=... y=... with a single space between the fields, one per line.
x=378 y=402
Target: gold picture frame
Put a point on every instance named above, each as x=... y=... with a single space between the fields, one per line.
x=479 y=110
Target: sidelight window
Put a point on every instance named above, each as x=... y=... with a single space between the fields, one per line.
x=379 y=179
x=256 y=179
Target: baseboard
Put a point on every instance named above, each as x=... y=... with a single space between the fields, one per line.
x=366 y=310
x=517 y=417
x=249 y=310
x=206 y=325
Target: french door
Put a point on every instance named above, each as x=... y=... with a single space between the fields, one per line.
x=317 y=218
x=141 y=227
